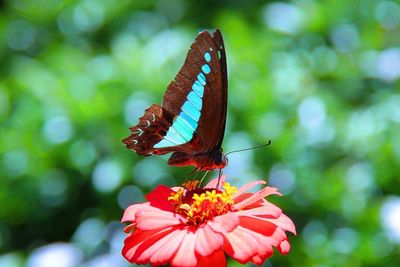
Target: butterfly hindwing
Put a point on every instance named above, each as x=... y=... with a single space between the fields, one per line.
x=150 y=130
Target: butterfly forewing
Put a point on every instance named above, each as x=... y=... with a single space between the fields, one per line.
x=212 y=124
x=219 y=43
x=204 y=68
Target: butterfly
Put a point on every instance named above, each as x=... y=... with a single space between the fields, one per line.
x=190 y=123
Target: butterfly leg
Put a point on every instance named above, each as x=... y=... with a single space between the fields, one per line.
x=219 y=176
x=190 y=173
x=202 y=178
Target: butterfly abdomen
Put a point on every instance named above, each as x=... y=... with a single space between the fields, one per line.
x=150 y=130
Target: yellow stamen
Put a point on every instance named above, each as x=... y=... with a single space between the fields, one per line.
x=199 y=205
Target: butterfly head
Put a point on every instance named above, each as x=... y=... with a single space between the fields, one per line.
x=219 y=159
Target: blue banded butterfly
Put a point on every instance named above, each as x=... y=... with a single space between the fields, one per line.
x=190 y=123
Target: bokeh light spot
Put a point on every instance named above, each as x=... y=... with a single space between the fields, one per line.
x=380 y=246
x=107 y=176
x=101 y=68
x=315 y=234
x=4 y=101
x=266 y=121
x=58 y=129
x=149 y=171
x=20 y=35
x=55 y=255
x=15 y=162
x=388 y=64
x=129 y=195
x=390 y=218
x=282 y=178
x=311 y=112
x=284 y=17
x=90 y=233
x=88 y=15
x=53 y=188
x=388 y=14
x=11 y=260
x=345 y=37
x=345 y=240
x=359 y=177
x=135 y=106
x=82 y=153
x=325 y=59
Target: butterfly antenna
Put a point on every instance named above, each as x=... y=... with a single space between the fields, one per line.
x=250 y=148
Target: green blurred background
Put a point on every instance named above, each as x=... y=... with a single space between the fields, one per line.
x=318 y=78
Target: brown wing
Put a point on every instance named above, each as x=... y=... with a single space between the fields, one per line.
x=223 y=91
x=150 y=130
x=210 y=131
x=210 y=127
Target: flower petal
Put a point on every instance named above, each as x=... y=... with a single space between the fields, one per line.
x=264 y=246
x=133 y=241
x=257 y=196
x=159 y=198
x=258 y=260
x=214 y=182
x=283 y=222
x=247 y=187
x=264 y=210
x=239 y=245
x=207 y=241
x=156 y=242
x=216 y=259
x=185 y=255
x=130 y=227
x=146 y=250
x=224 y=223
x=153 y=218
x=258 y=225
x=130 y=212
x=165 y=253
x=284 y=247
x=272 y=233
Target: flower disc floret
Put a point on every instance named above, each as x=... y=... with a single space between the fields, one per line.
x=198 y=205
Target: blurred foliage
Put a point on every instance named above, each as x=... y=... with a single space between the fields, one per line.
x=318 y=78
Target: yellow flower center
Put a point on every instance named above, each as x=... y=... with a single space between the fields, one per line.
x=201 y=204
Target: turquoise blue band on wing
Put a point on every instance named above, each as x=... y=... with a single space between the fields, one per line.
x=185 y=124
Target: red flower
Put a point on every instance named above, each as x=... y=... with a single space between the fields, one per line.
x=189 y=226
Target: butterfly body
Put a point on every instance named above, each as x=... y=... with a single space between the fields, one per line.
x=207 y=161
x=190 y=123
